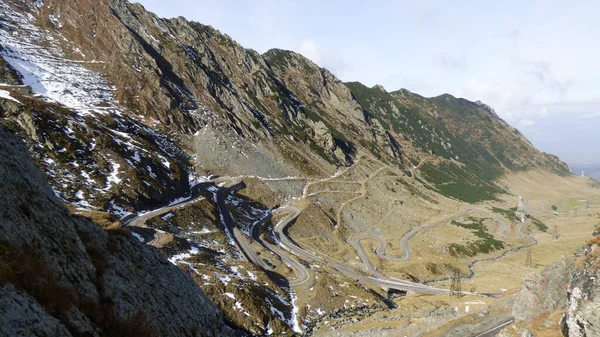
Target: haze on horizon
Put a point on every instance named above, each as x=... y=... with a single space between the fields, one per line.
x=535 y=63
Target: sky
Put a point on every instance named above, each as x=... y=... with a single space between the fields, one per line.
x=534 y=62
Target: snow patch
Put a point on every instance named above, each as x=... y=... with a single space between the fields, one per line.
x=114 y=176
x=294 y=320
x=137 y=236
x=176 y=258
x=224 y=279
x=45 y=69
x=6 y=95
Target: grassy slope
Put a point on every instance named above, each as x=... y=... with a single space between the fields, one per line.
x=476 y=147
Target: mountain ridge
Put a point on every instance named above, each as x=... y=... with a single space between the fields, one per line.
x=126 y=112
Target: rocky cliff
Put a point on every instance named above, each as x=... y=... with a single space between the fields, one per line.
x=62 y=275
x=582 y=314
x=158 y=96
x=563 y=299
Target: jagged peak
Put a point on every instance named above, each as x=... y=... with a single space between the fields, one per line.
x=445 y=96
x=283 y=56
x=355 y=83
x=487 y=108
x=380 y=88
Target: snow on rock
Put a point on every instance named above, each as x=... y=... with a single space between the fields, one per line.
x=115 y=209
x=46 y=70
x=55 y=21
x=176 y=258
x=150 y=173
x=136 y=157
x=114 y=176
x=6 y=95
x=293 y=322
x=224 y=279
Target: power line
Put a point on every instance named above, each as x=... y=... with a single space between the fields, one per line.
x=529 y=261
x=455 y=287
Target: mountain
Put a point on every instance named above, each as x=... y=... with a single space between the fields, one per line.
x=138 y=81
x=129 y=115
x=62 y=275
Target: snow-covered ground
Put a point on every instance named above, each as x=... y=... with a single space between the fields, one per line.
x=46 y=70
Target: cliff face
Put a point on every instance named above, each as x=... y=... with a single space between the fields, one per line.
x=62 y=275
x=564 y=297
x=582 y=314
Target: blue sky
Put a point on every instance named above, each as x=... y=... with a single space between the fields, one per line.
x=534 y=62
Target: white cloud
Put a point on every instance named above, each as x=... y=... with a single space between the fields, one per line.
x=526 y=122
x=503 y=97
x=543 y=112
x=454 y=62
x=591 y=114
x=311 y=50
x=322 y=57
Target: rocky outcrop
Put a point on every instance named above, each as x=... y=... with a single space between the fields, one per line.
x=565 y=297
x=62 y=275
x=582 y=315
x=543 y=292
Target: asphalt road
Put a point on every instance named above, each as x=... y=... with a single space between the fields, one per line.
x=380 y=251
x=495 y=330
x=379 y=279
x=302 y=275
x=136 y=223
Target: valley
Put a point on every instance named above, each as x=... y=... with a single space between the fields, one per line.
x=380 y=257
x=261 y=195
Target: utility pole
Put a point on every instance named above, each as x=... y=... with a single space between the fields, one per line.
x=455 y=287
x=520 y=213
x=587 y=204
x=575 y=212
x=529 y=261
x=555 y=232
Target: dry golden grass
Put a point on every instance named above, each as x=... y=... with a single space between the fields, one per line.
x=503 y=275
x=103 y=219
x=546 y=325
x=117 y=229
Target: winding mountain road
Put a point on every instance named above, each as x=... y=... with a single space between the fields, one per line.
x=378 y=278
x=380 y=250
x=495 y=330
x=136 y=222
